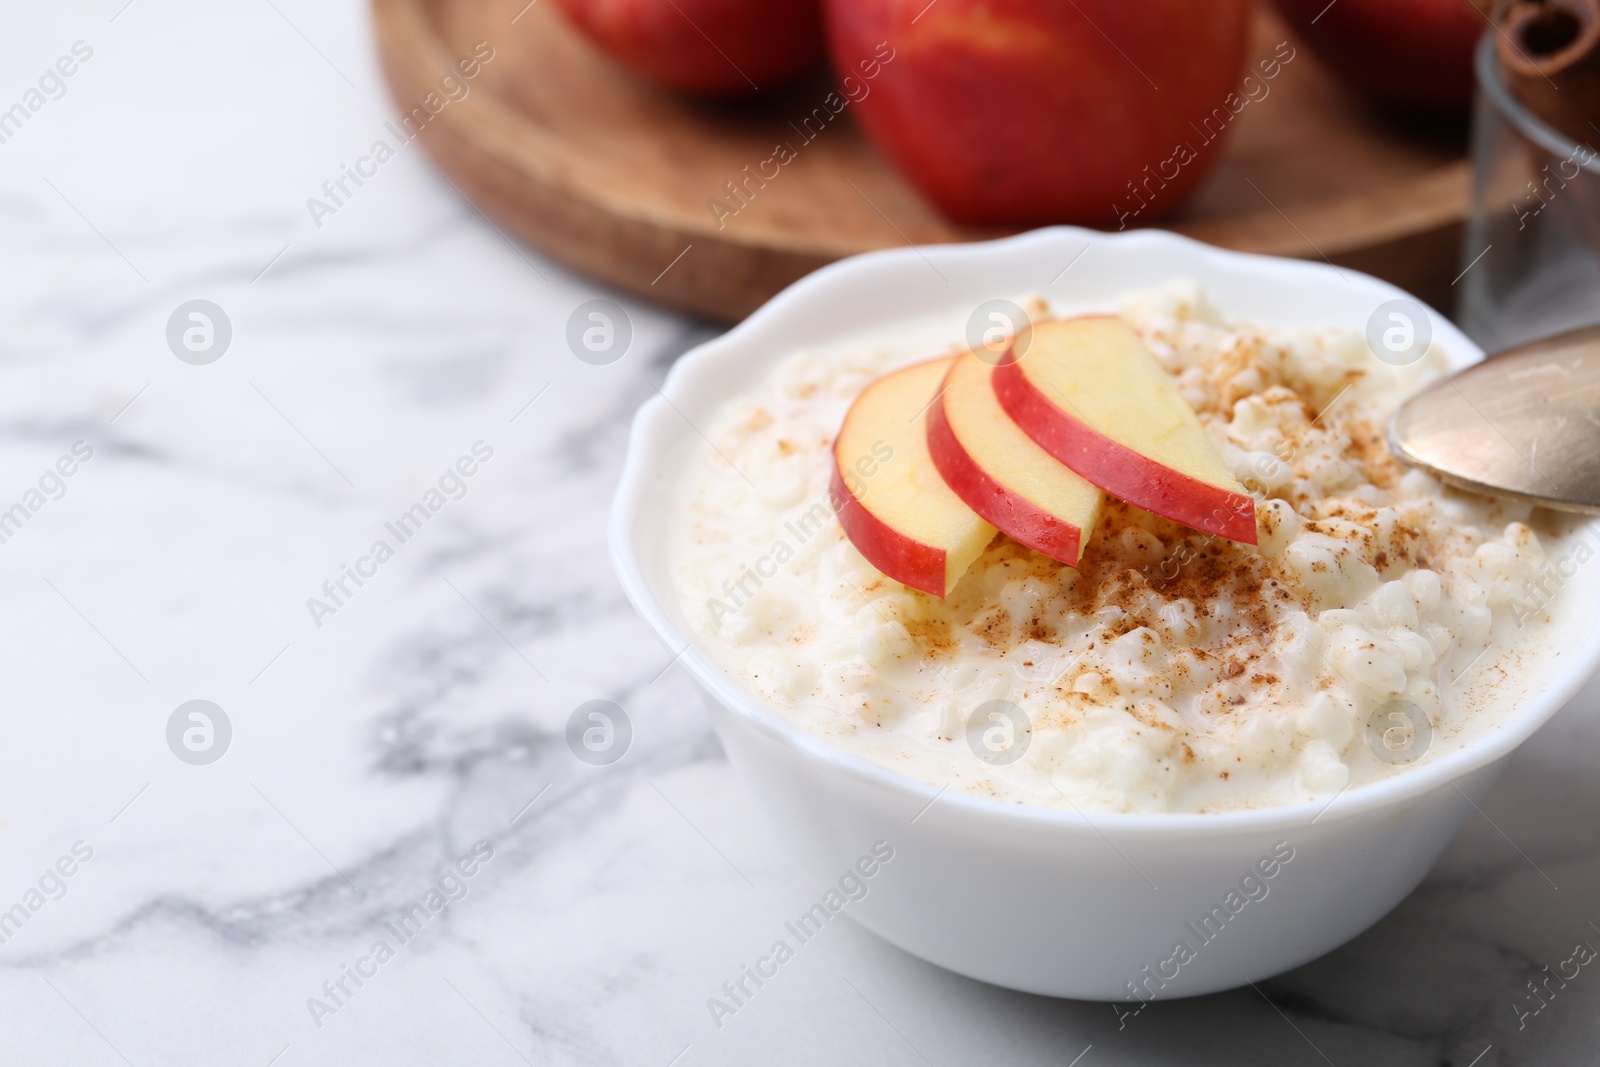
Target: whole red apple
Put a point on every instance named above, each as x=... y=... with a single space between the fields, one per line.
x=1019 y=112
x=710 y=47
x=1412 y=53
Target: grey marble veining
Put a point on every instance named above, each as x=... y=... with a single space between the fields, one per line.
x=427 y=712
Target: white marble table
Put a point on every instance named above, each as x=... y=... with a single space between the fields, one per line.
x=373 y=743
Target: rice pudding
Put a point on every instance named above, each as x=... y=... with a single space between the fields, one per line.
x=1170 y=670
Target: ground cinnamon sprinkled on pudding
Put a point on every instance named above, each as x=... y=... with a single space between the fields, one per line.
x=1171 y=669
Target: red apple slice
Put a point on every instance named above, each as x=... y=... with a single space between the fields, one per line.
x=1001 y=473
x=888 y=495
x=1089 y=392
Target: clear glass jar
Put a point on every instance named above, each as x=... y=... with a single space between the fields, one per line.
x=1531 y=257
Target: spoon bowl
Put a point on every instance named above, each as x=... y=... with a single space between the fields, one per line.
x=1523 y=424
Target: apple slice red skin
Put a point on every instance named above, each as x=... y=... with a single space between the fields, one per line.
x=1011 y=514
x=1119 y=470
x=899 y=557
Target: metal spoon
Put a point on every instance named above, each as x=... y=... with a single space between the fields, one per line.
x=1523 y=424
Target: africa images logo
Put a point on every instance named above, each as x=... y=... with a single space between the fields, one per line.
x=452 y=485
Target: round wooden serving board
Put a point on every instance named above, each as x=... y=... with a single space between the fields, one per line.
x=616 y=176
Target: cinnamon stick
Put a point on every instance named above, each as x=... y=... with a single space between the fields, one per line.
x=1550 y=51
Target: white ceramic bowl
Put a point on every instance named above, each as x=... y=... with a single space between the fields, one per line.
x=1037 y=899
